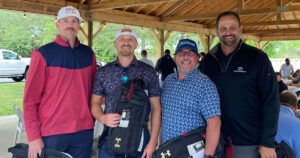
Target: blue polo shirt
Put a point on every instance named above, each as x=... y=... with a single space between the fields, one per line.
x=187 y=103
x=289 y=129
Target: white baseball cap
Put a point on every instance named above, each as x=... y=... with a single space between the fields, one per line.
x=69 y=11
x=126 y=31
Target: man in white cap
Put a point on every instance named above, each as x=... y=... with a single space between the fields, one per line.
x=57 y=92
x=111 y=76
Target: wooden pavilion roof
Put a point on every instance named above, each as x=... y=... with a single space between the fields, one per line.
x=262 y=20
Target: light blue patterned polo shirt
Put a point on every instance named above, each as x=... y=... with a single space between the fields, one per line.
x=187 y=103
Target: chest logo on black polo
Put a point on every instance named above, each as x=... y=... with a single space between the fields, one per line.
x=240 y=69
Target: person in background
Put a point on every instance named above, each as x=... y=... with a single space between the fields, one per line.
x=296 y=79
x=281 y=86
x=202 y=55
x=248 y=91
x=289 y=124
x=145 y=59
x=286 y=69
x=111 y=76
x=165 y=65
x=190 y=99
x=57 y=92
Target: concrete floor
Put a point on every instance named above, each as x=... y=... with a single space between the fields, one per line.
x=8 y=126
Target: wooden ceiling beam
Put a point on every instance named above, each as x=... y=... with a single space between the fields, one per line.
x=112 y=16
x=268 y=15
x=240 y=6
x=40 y=8
x=279 y=4
x=269 y=23
x=141 y=21
x=280 y=38
x=295 y=1
x=248 y=12
x=82 y=1
x=273 y=31
x=251 y=37
x=234 y=8
x=125 y=3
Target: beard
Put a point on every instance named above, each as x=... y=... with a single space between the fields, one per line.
x=229 y=43
x=126 y=52
x=185 y=71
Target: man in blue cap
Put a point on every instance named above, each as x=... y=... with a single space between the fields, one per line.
x=190 y=99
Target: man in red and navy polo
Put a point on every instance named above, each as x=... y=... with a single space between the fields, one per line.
x=57 y=92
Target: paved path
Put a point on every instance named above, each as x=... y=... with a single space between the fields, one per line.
x=8 y=80
x=8 y=126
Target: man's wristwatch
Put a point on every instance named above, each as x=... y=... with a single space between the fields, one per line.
x=208 y=156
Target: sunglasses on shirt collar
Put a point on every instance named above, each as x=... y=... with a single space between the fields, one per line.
x=124 y=75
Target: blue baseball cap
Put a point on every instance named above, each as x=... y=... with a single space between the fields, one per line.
x=186 y=43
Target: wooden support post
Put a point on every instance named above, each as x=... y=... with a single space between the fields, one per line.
x=167 y=35
x=98 y=29
x=279 y=4
x=89 y=30
x=87 y=33
x=206 y=40
x=82 y=34
x=240 y=5
x=162 y=42
x=257 y=44
x=160 y=39
x=211 y=40
x=265 y=45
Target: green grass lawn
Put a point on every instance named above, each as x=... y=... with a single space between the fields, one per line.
x=11 y=93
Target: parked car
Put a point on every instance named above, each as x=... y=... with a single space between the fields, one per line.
x=13 y=65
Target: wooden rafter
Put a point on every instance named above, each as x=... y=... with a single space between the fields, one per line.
x=279 y=4
x=265 y=45
x=280 y=37
x=139 y=9
x=263 y=17
x=162 y=7
x=111 y=16
x=174 y=8
x=269 y=23
x=83 y=33
x=147 y=21
x=114 y=16
x=233 y=8
x=167 y=35
x=273 y=31
x=296 y=1
x=125 y=3
x=248 y=12
x=189 y=7
x=151 y=9
x=98 y=29
x=82 y=1
x=240 y=6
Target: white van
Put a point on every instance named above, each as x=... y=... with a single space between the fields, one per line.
x=13 y=65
